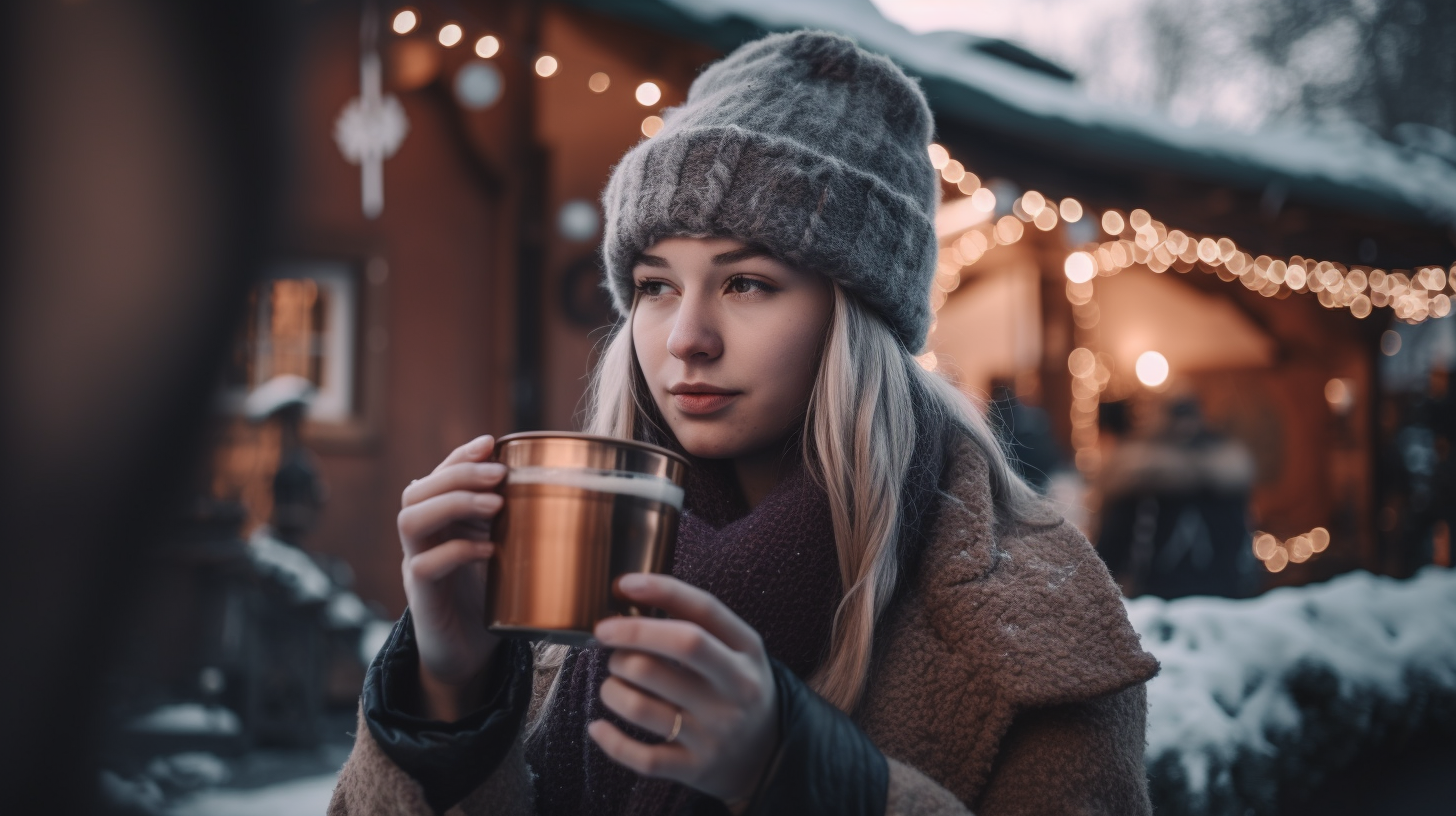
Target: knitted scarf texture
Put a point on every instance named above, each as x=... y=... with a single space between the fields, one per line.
x=776 y=567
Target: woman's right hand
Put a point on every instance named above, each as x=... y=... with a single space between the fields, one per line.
x=444 y=527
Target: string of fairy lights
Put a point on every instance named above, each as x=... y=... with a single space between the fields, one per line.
x=1136 y=239
x=407 y=21
x=1276 y=554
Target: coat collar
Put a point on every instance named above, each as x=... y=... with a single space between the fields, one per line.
x=1002 y=617
x=1032 y=598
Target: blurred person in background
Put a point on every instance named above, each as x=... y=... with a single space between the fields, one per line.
x=1027 y=431
x=869 y=611
x=1175 y=506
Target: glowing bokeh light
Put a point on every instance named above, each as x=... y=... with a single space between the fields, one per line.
x=648 y=94
x=405 y=21
x=1112 y=223
x=1080 y=267
x=487 y=47
x=1151 y=369
x=1032 y=202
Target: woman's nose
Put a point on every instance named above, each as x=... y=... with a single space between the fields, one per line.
x=694 y=333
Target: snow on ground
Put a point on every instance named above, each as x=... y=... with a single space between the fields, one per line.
x=1257 y=699
x=301 y=797
x=1266 y=697
x=187 y=718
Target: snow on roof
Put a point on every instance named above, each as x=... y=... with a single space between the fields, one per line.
x=1351 y=170
x=1281 y=690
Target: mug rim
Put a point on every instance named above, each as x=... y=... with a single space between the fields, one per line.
x=611 y=440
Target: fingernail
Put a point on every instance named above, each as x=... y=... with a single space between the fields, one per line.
x=633 y=582
x=605 y=629
x=480 y=444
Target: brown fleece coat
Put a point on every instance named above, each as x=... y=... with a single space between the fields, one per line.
x=1007 y=683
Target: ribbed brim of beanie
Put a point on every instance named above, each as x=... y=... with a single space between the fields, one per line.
x=805 y=145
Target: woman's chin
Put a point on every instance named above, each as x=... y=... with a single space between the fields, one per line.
x=710 y=443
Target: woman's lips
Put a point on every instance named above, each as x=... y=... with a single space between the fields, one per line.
x=700 y=403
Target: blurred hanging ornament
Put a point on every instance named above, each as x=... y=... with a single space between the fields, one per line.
x=369 y=130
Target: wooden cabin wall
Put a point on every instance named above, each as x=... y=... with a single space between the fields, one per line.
x=437 y=345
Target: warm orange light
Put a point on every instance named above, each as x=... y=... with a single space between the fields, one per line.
x=405 y=21
x=599 y=82
x=1009 y=229
x=546 y=65
x=1080 y=267
x=1151 y=369
x=953 y=171
x=1278 y=561
x=939 y=156
x=1082 y=362
x=969 y=184
x=983 y=199
x=1071 y=210
x=1112 y=222
x=651 y=125
x=487 y=47
x=648 y=94
x=1032 y=202
x=451 y=34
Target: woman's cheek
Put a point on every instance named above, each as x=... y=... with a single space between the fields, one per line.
x=784 y=360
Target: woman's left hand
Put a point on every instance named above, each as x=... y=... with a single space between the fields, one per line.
x=704 y=663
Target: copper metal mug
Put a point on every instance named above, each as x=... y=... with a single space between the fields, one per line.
x=579 y=512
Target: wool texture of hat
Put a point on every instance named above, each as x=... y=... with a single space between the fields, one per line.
x=803 y=144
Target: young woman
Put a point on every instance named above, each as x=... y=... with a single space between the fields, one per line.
x=868 y=613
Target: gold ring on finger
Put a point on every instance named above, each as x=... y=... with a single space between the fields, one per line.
x=676 y=727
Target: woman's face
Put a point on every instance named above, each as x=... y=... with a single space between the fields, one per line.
x=729 y=341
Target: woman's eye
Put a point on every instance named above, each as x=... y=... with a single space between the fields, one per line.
x=650 y=288
x=747 y=286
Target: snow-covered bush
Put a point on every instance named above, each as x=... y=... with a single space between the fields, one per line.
x=1261 y=700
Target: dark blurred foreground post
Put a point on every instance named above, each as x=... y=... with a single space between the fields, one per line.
x=139 y=167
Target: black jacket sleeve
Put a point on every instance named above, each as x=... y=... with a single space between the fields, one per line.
x=449 y=760
x=824 y=764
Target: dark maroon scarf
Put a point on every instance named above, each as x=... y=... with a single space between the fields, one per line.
x=776 y=567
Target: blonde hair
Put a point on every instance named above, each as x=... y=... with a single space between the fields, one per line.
x=861 y=428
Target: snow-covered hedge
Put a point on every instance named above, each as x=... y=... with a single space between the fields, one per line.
x=1261 y=700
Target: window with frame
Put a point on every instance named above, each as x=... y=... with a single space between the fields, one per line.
x=303 y=318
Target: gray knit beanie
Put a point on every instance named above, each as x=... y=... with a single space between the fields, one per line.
x=803 y=144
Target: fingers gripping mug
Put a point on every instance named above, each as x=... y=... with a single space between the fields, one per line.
x=579 y=512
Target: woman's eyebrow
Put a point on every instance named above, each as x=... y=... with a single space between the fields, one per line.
x=651 y=260
x=740 y=254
